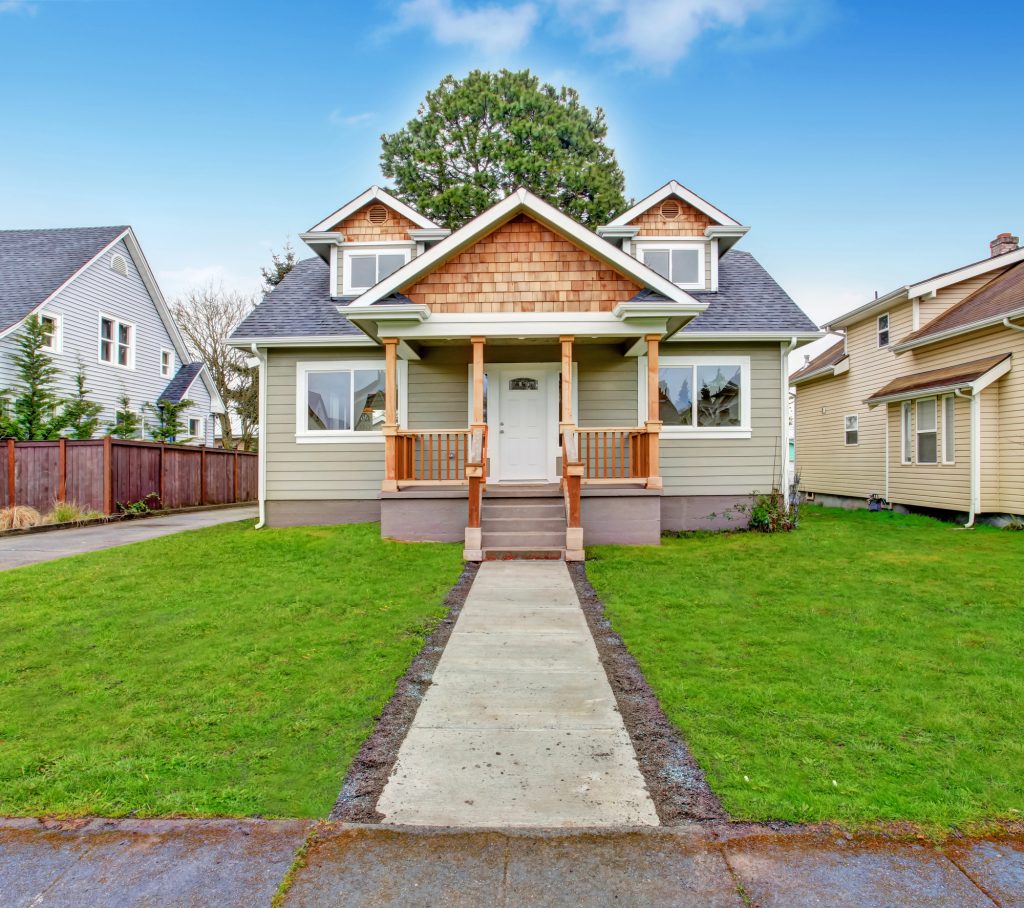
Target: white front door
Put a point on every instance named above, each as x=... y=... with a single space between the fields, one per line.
x=523 y=425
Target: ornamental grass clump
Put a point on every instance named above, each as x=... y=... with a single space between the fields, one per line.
x=19 y=517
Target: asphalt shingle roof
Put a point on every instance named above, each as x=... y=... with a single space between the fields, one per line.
x=300 y=306
x=178 y=386
x=34 y=263
x=829 y=357
x=748 y=299
x=933 y=379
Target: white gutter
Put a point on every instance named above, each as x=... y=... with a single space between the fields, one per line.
x=961 y=329
x=1008 y=324
x=785 y=350
x=975 y=455
x=262 y=463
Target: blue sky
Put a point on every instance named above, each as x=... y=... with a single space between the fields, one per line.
x=867 y=144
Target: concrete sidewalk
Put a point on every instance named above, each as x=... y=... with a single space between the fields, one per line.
x=32 y=548
x=519 y=726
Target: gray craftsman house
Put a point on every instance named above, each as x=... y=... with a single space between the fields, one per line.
x=94 y=292
x=523 y=383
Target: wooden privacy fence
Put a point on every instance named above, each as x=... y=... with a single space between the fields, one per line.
x=100 y=473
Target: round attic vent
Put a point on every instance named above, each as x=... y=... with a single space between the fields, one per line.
x=377 y=214
x=670 y=209
x=118 y=264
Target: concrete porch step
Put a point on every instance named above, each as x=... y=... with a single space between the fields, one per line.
x=524 y=553
x=519 y=523
x=530 y=539
x=539 y=490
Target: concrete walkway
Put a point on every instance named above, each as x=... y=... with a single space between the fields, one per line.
x=519 y=727
x=32 y=548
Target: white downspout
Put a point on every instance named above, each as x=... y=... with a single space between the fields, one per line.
x=786 y=349
x=262 y=463
x=887 y=454
x=975 y=455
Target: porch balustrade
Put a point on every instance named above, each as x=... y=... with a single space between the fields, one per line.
x=432 y=455
x=614 y=454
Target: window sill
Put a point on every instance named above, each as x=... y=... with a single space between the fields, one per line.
x=682 y=432
x=338 y=438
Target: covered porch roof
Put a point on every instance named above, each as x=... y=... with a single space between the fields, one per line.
x=974 y=376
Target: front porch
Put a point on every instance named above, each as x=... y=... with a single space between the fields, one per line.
x=523 y=477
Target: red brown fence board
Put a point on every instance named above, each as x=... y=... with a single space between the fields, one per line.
x=101 y=473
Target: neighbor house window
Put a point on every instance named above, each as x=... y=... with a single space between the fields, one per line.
x=906 y=449
x=195 y=427
x=166 y=363
x=852 y=429
x=883 y=330
x=51 y=332
x=948 y=429
x=117 y=342
x=681 y=264
x=927 y=432
x=699 y=393
x=363 y=268
x=340 y=399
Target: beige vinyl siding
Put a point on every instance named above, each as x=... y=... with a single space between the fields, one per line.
x=930 y=309
x=708 y=466
x=823 y=460
x=299 y=472
x=992 y=496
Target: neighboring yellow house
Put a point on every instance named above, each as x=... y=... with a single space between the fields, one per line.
x=919 y=403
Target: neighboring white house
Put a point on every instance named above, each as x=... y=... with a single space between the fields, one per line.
x=95 y=292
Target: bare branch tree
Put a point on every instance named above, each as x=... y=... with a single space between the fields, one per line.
x=207 y=315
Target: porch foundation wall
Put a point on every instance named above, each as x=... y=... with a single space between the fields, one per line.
x=410 y=517
x=615 y=517
x=321 y=513
x=684 y=513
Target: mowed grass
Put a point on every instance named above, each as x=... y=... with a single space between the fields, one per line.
x=225 y=671
x=867 y=667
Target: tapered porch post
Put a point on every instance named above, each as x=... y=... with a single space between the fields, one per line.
x=390 y=428
x=653 y=414
x=566 y=417
x=476 y=459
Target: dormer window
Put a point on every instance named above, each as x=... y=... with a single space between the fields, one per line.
x=363 y=267
x=681 y=263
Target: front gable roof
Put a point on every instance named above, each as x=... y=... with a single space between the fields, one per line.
x=36 y=264
x=178 y=387
x=674 y=188
x=373 y=194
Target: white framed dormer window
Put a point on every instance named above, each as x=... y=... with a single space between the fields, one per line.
x=340 y=401
x=116 y=342
x=166 y=363
x=949 y=429
x=680 y=262
x=703 y=396
x=364 y=266
x=851 y=429
x=927 y=431
x=883 y=330
x=51 y=325
x=906 y=434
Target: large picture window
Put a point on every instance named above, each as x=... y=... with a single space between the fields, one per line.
x=698 y=394
x=339 y=400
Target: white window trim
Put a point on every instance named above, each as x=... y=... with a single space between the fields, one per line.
x=725 y=432
x=918 y=433
x=952 y=429
x=132 y=342
x=306 y=436
x=201 y=434
x=906 y=433
x=648 y=242
x=879 y=329
x=170 y=372
x=58 y=331
x=846 y=431
x=378 y=248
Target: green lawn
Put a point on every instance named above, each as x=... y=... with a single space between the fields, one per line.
x=868 y=667
x=219 y=672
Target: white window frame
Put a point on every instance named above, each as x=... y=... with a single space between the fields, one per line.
x=201 y=434
x=695 y=431
x=847 y=430
x=670 y=243
x=887 y=329
x=948 y=427
x=131 y=341
x=385 y=247
x=170 y=369
x=58 y=332
x=906 y=432
x=304 y=435
x=918 y=432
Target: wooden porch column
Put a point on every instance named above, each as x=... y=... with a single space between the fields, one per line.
x=566 y=417
x=653 y=414
x=476 y=457
x=478 y=381
x=390 y=428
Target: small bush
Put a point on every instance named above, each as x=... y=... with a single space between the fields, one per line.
x=768 y=514
x=69 y=512
x=19 y=517
x=143 y=506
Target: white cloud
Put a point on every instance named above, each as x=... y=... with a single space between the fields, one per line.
x=340 y=118
x=491 y=28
